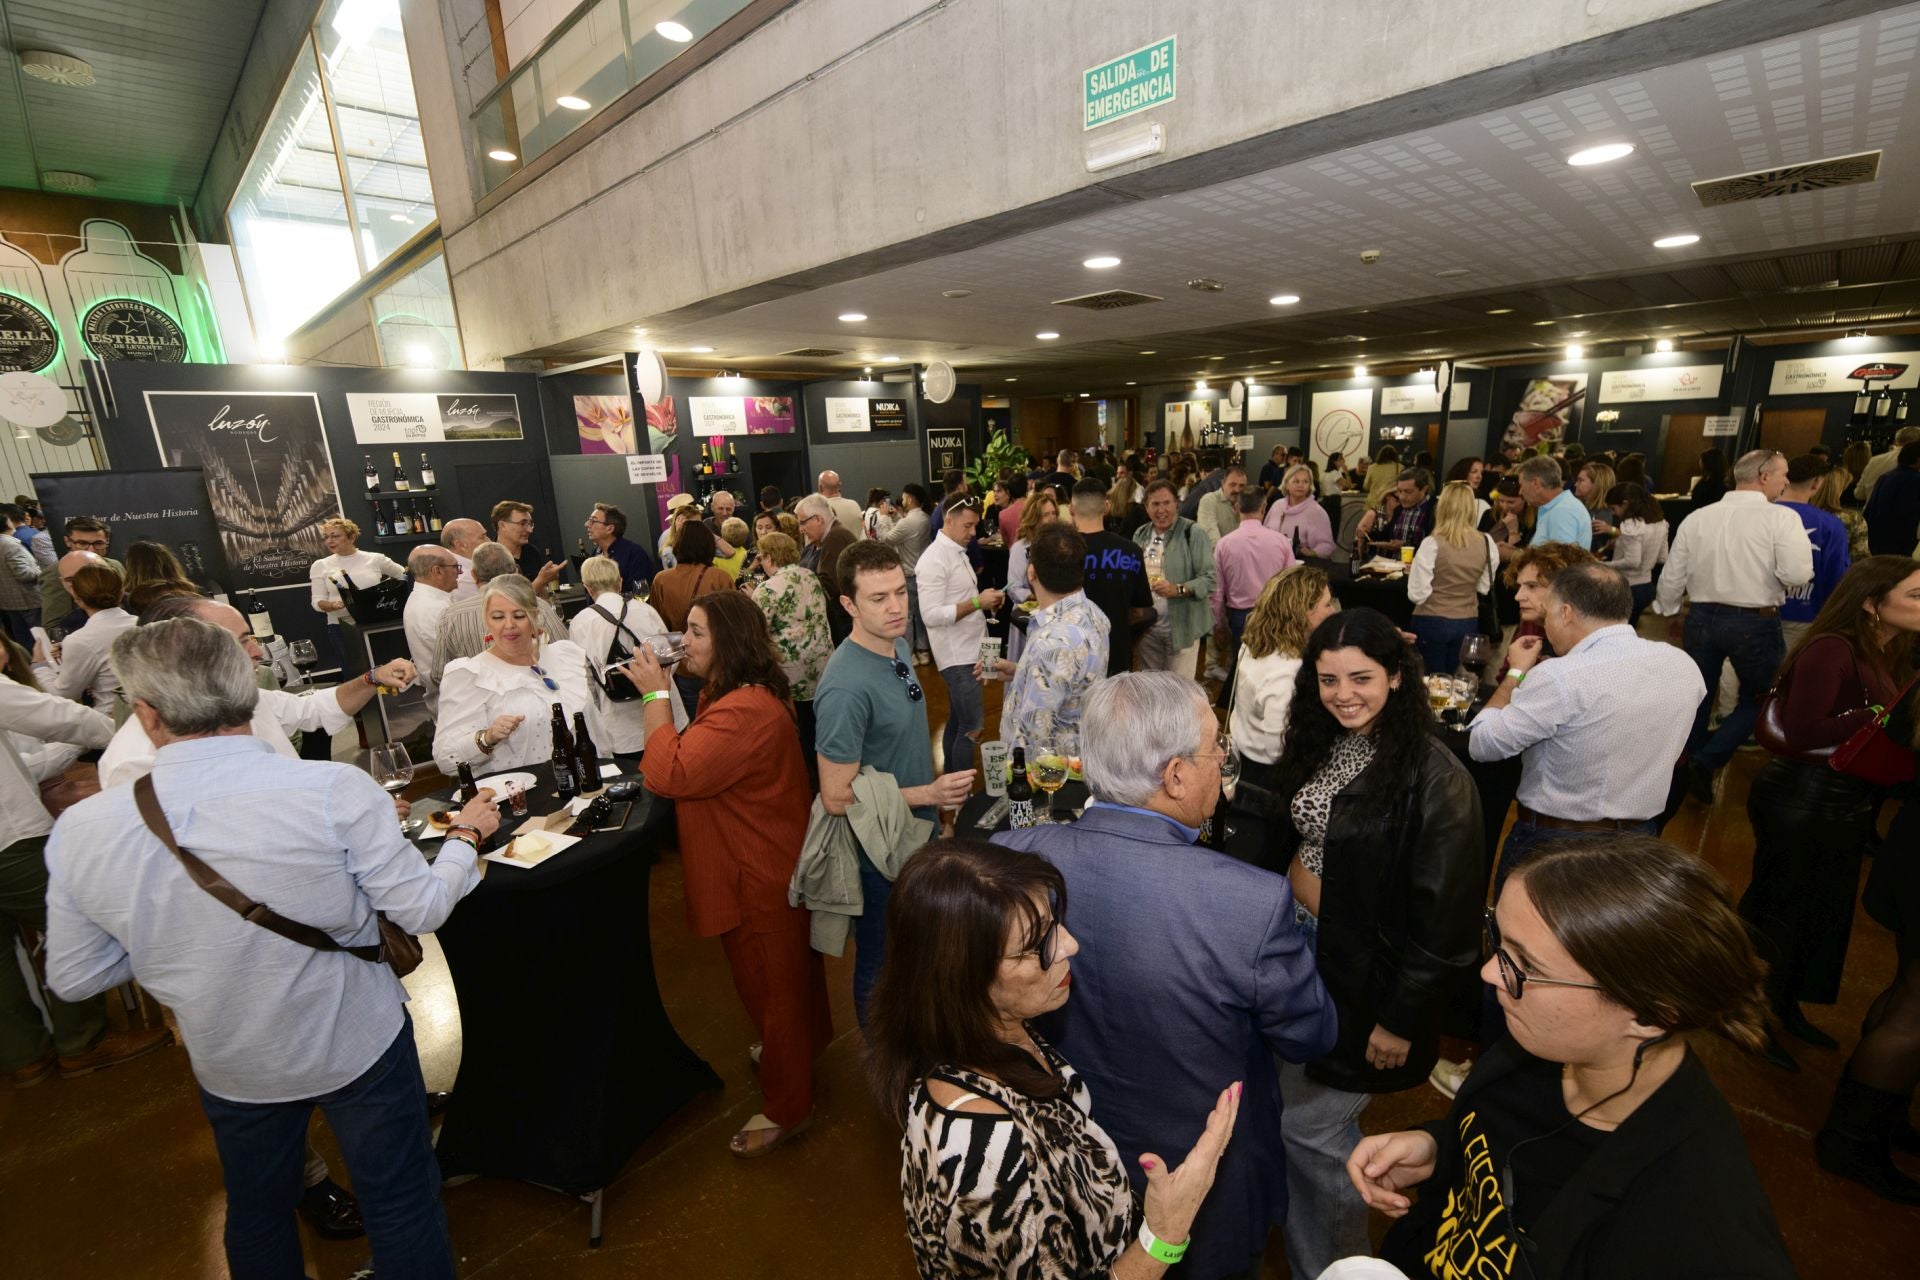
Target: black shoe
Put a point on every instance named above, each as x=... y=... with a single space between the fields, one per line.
x=1776 y=1053
x=331 y=1211
x=438 y=1102
x=1795 y=1023
x=1854 y=1144
x=1699 y=780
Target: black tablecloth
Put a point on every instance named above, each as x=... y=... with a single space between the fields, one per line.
x=568 y=1059
x=1388 y=595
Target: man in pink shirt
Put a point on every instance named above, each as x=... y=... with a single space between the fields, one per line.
x=1245 y=560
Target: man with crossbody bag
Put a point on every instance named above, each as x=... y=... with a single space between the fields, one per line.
x=608 y=630
x=276 y=1021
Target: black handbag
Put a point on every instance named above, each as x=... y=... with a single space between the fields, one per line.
x=618 y=687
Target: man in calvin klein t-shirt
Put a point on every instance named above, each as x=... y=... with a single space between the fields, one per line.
x=1116 y=574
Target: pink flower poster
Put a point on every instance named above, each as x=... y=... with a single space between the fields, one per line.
x=605 y=423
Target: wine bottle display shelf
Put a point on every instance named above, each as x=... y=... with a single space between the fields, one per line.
x=393 y=493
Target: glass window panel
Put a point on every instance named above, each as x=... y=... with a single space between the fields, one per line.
x=364 y=56
x=288 y=215
x=414 y=319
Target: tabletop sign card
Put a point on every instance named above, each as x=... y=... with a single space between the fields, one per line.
x=847 y=413
x=646 y=468
x=1683 y=382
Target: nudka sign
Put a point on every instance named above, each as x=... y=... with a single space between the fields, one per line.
x=1128 y=84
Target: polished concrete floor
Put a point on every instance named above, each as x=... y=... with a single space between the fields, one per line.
x=115 y=1174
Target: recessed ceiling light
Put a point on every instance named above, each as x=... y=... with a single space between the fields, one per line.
x=1601 y=154
x=1133 y=384
x=1854 y=335
x=1101 y=263
x=1216 y=357
x=1149 y=353
x=1680 y=241
x=1575 y=351
x=889 y=357
x=1452 y=273
x=1283 y=299
x=852 y=317
x=400 y=217
x=1046 y=336
x=571 y=102
x=1501 y=311
x=673 y=31
x=1013 y=379
x=1538 y=323
x=1200 y=384
x=1359 y=371
x=700 y=351
x=1577 y=333
x=1083 y=395
x=1665 y=344
x=956 y=293
x=501 y=154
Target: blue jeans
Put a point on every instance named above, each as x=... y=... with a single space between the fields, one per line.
x=869 y=935
x=1642 y=601
x=1320 y=1127
x=916 y=629
x=1440 y=641
x=381 y=1122
x=1715 y=634
x=966 y=712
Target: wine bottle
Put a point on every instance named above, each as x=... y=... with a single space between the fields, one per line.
x=706 y=461
x=1019 y=792
x=586 y=756
x=373 y=476
x=400 y=482
x=1299 y=551
x=426 y=472
x=433 y=517
x=380 y=525
x=259 y=617
x=1900 y=408
x=733 y=460
x=468 y=787
x=565 y=781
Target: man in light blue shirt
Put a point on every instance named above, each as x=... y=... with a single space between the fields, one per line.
x=1560 y=517
x=274 y=1028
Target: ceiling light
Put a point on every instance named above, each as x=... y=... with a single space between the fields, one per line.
x=1133 y=384
x=1149 y=353
x=1013 y=379
x=956 y=293
x=1680 y=241
x=1283 y=299
x=1538 y=323
x=1664 y=345
x=1216 y=357
x=56 y=68
x=852 y=317
x=501 y=154
x=275 y=352
x=1854 y=335
x=730 y=375
x=1575 y=351
x=866 y=375
x=400 y=217
x=1452 y=273
x=887 y=359
x=1112 y=147
x=66 y=180
x=1101 y=263
x=1577 y=333
x=1083 y=395
x=673 y=31
x=700 y=351
x=1501 y=311
x=1425 y=374
x=1046 y=336
x=1200 y=384
x=571 y=102
x=1602 y=154
x=419 y=354
x=1359 y=371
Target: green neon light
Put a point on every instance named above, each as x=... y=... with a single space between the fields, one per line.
x=98 y=303
x=209 y=325
x=46 y=313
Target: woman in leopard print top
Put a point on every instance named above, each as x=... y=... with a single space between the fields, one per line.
x=1004 y=1171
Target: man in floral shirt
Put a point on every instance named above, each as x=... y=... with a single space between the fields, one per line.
x=1066 y=651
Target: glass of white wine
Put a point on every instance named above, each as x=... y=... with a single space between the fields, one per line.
x=393 y=770
x=1047 y=770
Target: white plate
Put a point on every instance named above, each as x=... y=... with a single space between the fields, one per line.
x=498 y=781
x=558 y=844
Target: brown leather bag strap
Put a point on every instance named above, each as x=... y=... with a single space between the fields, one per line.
x=223 y=890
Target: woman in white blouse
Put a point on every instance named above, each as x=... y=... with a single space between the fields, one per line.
x=361 y=568
x=1288 y=610
x=1641 y=543
x=611 y=614
x=495 y=708
x=84 y=672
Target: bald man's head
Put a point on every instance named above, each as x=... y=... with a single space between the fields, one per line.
x=71 y=563
x=462 y=536
x=829 y=484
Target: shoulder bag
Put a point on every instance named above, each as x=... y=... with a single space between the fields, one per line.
x=1872 y=754
x=618 y=687
x=398 y=949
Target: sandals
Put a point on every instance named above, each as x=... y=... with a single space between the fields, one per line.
x=743 y=1145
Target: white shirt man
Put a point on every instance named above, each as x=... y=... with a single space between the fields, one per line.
x=955 y=612
x=435 y=573
x=460 y=537
x=846 y=512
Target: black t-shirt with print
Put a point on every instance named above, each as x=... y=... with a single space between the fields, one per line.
x=1117 y=583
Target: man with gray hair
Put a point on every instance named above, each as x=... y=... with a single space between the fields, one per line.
x=463 y=631
x=1734 y=560
x=461 y=536
x=434 y=571
x=1558 y=515
x=826 y=537
x=275 y=1024
x=1881 y=463
x=1191 y=973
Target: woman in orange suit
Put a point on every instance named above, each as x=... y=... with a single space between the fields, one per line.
x=741 y=799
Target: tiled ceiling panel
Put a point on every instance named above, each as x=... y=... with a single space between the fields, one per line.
x=164 y=72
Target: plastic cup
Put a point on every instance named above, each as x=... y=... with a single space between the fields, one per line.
x=989 y=656
x=993 y=763
x=1406 y=555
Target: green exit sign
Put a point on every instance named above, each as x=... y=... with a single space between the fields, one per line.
x=1128 y=84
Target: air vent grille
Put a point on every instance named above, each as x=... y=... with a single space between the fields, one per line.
x=1764 y=184
x=1110 y=300
x=813 y=353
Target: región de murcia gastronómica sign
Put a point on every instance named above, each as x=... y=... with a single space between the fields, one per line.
x=28 y=340
x=129 y=329
x=1128 y=84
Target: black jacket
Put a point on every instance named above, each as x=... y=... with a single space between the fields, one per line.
x=1671 y=1193
x=1400 y=907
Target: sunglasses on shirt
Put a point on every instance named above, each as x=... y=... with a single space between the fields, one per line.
x=914 y=691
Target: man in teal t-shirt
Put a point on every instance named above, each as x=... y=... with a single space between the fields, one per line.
x=1559 y=516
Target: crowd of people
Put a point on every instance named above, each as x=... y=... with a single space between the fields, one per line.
x=1232 y=1010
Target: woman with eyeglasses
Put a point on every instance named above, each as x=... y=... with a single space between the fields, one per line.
x=1383 y=844
x=496 y=707
x=1591 y=1141
x=1005 y=1172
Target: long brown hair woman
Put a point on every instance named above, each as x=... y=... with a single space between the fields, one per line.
x=741 y=800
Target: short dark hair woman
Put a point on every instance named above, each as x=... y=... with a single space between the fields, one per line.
x=1005 y=1172
x=1714 y=475
x=1384 y=847
x=1640 y=544
x=742 y=801
x=1591 y=1142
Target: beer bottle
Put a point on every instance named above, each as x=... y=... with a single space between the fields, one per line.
x=565 y=781
x=1019 y=792
x=586 y=756
x=468 y=787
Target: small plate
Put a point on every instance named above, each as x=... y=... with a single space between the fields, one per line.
x=498 y=781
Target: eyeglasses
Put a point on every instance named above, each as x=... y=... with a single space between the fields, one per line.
x=87 y=544
x=1045 y=949
x=1512 y=976
x=526 y=523
x=914 y=691
x=545 y=678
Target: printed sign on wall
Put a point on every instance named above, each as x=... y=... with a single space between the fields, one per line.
x=129 y=329
x=1422 y=397
x=1683 y=382
x=1266 y=408
x=847 y=413
x=168 y=507
x=1340 y=423
x=424 y=418
x=1825 y=375
x=741 y=415
x=28 y=339
x=946 y=451
x=888 y=415
x=269 y=480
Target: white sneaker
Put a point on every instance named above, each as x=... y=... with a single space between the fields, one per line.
x=1447 y=1076
x=1216 y=672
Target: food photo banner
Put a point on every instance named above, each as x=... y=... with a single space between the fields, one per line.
x=168 y=507
x=426 y=418
x=269 y=480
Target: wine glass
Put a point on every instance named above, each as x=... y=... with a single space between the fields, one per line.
x=393 y=770
x=1229 y=765
x=1475 y=652
x=643 y=590
x=304 y=655
x=1047 y=770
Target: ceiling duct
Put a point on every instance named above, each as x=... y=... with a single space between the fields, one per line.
x=1108 y=300
x=813 y=353
x=1786 y=180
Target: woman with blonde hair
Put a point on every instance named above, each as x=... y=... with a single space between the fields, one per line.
x=733 y=533
x=344 y=565
x=1041 y=507
x=1831 y=498
x=1292 y=605
x=1383 y=474
x=1454 y=566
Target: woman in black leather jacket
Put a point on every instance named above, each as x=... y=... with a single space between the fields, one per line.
x=1384 y=847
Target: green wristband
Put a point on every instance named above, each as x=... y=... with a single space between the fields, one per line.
x=1159 y=1250
x=655 y=696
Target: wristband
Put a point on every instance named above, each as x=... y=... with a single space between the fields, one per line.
x=976 y=604
x=1159 y=1250
x=368 y=677
x=466 y=833
x=654 y=696
x=480 y=741
x=1516 y=675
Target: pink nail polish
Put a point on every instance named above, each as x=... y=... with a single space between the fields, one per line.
x=1146 y=1164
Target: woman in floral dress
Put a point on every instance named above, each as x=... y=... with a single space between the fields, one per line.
x=796 y=609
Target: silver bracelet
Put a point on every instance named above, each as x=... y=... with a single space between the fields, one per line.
x=480 y=741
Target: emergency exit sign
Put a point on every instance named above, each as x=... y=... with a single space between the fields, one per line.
x=1129 y=84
